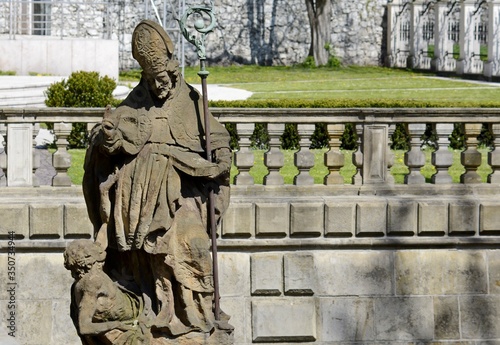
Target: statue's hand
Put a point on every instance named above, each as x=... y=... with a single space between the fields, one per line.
x=222 y=158
x=128 y=326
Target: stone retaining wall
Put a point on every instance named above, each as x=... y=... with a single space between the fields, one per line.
x=260 y=32
x=343 y=265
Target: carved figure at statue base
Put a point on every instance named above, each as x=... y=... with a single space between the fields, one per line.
x=148 y=277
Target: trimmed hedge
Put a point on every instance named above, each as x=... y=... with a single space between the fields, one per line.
x=400 y=138
x=350 y=103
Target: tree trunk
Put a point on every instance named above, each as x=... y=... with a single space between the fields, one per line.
x=319 y=13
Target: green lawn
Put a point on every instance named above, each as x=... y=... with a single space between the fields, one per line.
x=359 y=83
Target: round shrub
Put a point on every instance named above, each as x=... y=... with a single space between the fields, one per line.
x=81 y=90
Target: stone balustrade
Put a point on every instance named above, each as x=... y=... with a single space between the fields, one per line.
x=373 y=159
x=445 y=36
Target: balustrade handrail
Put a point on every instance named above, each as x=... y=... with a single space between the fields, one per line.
x=373 y=159
x=275 y=115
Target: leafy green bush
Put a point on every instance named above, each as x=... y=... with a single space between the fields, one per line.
x=457 y=138
x=486 y=137
x=309 y=62
x=400 y=138
x=260 y=137
x=349 y=138
x=290 y=138
x=333 y=62
x=320 y=138
x=231 y=129
x=429 y=138
x=81 y=89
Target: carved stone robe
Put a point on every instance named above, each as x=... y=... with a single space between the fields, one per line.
x=146 y=184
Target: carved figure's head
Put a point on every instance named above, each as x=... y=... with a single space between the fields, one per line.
x=81 y=255
x=154 y=50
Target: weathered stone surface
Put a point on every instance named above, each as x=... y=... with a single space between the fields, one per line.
x=19 y=157
x=267 y=274
x=76 y=222
x=402 y=218
x=63 y=330
x=369 y=273
x=46 y=221
x=479 y=317
x=40 y=271
x=347 y=319
x=239 y=220
x=463 y=218
x=34 y=333
x=489 y=218
x=241 y=317
x=306 y=219
x=404 y=318
x=284 y=320
x=371 y=218
x=340 y=219
x=432 y=218
x=375 y=151
x=234 y=274
x=299 y=274
x=438 y=272
x=15 y=217
x=3 y=273
x=272 y=219
x=493 y=257
x=446 y=317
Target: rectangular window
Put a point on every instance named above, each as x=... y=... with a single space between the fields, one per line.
x=41 y=17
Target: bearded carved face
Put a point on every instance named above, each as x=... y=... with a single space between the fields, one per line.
x=153 y=49
x=126 y=130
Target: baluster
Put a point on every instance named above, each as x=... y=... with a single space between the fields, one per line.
x=389 y=179
x=471 y=158
x=494 y=156
x=415 y=158
x=304 y=158
x=36 y=156
x=357 y=157
x=442 y=158
x=334 y=159
x=61 y=159
x=244 y=158
x=3 y=155
x=274 y=158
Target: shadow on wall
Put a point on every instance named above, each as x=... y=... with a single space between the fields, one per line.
x=261 y=51
x=263 y=35
x=383 y=48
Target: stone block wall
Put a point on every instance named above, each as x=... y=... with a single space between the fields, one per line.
x=53 y=56
x=260 y=32
x=309 y=266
